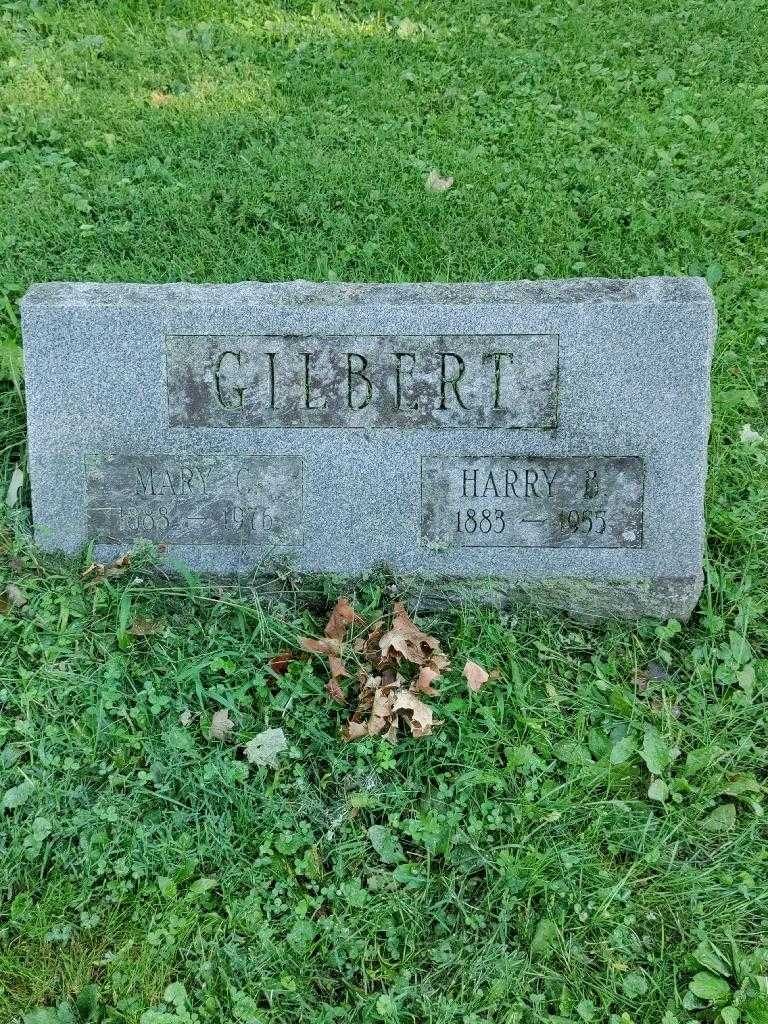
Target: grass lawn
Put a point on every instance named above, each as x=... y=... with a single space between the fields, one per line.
x=578 y=842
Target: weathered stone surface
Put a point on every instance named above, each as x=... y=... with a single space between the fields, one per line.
x=482 y=441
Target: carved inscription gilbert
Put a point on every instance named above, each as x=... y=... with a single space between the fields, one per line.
x=488 y=381
x=527 y=501
x=176 y=499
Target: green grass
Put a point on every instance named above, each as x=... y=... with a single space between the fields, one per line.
x=538 y=880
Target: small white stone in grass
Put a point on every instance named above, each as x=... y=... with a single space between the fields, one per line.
x=16 y=595
x=264 y=748
x=221 y=725
x=748 y=435
x=436 y=183
x=12 y=495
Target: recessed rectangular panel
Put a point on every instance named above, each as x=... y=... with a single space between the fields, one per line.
x=430 y=380
x=188 y=499
x=530 y=502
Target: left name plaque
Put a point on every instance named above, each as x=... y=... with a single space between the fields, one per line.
x=243 y=500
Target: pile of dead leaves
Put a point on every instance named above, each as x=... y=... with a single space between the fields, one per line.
x=394 y=665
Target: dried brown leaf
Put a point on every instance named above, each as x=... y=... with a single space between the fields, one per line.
x=337 y=667
x=394 y=642
x=427 y=676
x=383 y=701
x=386 y=699
x=355 y=730
x=404 y=639
x=326 y=647
x=439 y=661
x=475 y=675
x=279 y=664
x=98 y=571
x=418 y=715
x=335 y=692
x=342 y=617
x=160 y=98
x=221 y=725
x=369 y=643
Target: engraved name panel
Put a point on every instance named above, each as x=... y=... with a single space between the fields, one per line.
x=188 y=499
x=486 y=381
x=527 y=502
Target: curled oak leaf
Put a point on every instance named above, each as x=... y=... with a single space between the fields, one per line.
x=368 y=685
x=327 y=646
x=335 y=692
x=380 y=711
x=394 y=642
x=374 y=709
x=342 y=617
x=221 y=725
x=404 y=639
x=364 y=703
x=418 y=715
x=279 y=664
x=427 y=676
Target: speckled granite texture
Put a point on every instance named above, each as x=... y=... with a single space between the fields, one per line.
x=631 y=381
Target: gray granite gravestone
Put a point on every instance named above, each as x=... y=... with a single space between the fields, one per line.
x=479 y=440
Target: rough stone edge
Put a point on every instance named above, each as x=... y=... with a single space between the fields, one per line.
x=573 y=291
x=588 y=600
x=584 y=599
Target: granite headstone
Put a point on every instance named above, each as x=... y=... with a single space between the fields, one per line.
x=480 y=441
